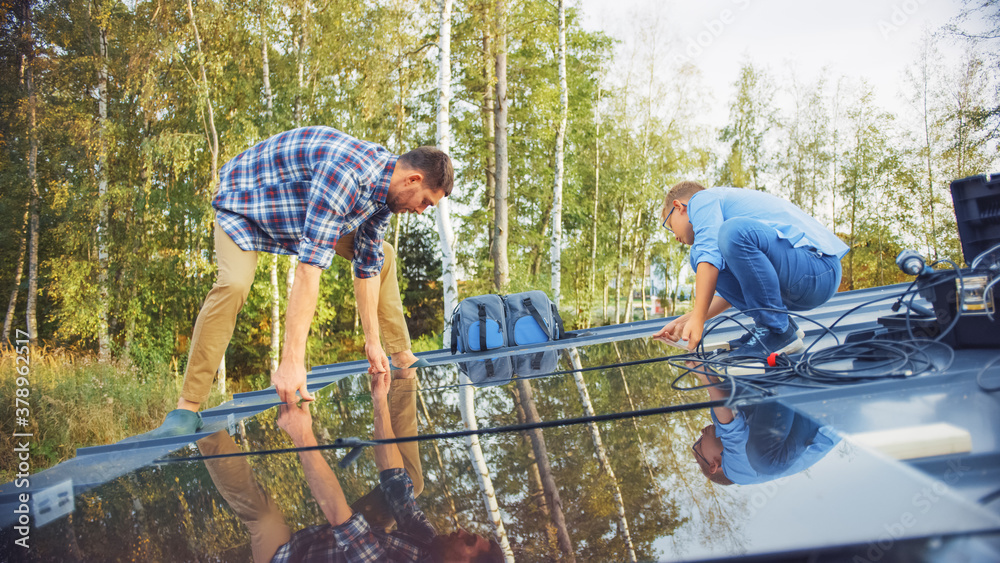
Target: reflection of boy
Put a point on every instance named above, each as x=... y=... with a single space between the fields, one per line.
x=348 y=537
x=758 y=443
x=758 y=252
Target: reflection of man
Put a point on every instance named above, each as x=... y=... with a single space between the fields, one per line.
x=348 y=536
x=311 y=192
x=758 y=443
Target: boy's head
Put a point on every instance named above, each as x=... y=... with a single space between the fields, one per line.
x=708 y=453
x=674 y=213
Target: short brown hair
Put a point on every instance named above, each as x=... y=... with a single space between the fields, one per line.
x=434 y=164
x=682 y=191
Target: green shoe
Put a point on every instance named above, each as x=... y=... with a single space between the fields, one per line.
x=178 y=422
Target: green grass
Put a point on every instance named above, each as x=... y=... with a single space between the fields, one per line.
x=75 y=401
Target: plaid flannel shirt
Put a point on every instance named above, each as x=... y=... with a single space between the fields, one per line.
x=355 y=542
x=298 y=192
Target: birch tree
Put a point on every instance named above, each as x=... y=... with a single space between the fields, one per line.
x=268 y=117
x=445 y=233
x=557 y=198
x=28 y=57
x=466 y=404
x=602 y=454
x=501 y=270
x=103 y=337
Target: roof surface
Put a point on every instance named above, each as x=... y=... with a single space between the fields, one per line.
x=854 y=501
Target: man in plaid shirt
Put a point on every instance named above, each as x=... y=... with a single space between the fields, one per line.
x=348 y=537
x=311 y=192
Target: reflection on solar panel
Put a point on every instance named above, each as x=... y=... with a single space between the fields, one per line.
x=604 y=486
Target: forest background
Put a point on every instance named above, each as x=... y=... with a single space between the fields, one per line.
x=117 y=115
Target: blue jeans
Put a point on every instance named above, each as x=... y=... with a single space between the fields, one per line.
x=764 y=271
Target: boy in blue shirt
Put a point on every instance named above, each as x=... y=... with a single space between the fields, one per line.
x=753 y=251
x=759 y=442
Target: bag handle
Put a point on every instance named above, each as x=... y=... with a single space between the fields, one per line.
x=537 y=316
x=482 y=327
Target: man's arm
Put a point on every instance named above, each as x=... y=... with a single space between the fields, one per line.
x=366 y=291
x=297 y=423
x=387 y=456
x=291 y=373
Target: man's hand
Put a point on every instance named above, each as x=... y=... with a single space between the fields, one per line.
x=380 y=386
x=289 y=378
x=672 y=331
x=377 y=360
x=296 y=421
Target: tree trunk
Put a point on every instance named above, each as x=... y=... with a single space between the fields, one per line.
x=22 y=252
x=487 y=116
x=593 y=218
x=466 y=404
x=445 y=233
x=103 y=336
x=34 y=196
x=602 y=455
x=213 y=146
x=268 y=116
x=501 y=273
x=552 y=498
x=556 y=256
x=301 y=45
x=618 y=262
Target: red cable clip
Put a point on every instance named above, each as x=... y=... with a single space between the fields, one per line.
x=772 y=360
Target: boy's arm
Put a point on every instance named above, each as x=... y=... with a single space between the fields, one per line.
x=672 y=331
x=716 y=393
x=704 y=287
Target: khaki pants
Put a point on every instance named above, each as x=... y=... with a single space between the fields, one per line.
x=403 y=418
x=235 y=481
x=214 y=327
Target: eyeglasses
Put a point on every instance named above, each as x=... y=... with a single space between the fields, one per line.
x=694 y=448
x=667 y=218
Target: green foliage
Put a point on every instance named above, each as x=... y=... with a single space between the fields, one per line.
x=76 y=401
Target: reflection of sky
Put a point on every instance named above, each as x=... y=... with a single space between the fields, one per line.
x=845 y=498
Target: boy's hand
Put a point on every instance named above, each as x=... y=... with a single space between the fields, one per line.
x=692 y=332
x=672 y=331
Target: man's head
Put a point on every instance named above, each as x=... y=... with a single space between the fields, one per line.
x=422 y=177
x=463 y=547
x=674 y=214
x=707 y=452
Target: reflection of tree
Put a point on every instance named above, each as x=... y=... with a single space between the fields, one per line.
x=466 y=404
x=602 y=455
x=553 y=504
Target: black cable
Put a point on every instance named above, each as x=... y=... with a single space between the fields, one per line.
x=354 y=443
x=981 y=381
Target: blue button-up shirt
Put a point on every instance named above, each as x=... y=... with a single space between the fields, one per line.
x=767 y=441
x=298 y=192
x=708 y=209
